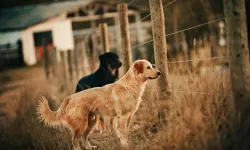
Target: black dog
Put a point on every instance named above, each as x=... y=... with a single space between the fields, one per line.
x=106 y=73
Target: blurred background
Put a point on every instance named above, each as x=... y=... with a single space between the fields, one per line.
x=46 y=46
x=65 y=24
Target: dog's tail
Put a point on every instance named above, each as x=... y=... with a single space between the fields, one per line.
x=50 y=118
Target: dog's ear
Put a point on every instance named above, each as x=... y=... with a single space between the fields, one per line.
x=103 y=60
x=139 y=66
x=102 y=57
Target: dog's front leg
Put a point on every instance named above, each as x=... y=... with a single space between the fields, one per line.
x=123 y=130
x=129 y=120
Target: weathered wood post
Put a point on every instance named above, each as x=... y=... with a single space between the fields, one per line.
x=117 y=33
x=238 y=52
x=85 y=67
x=184 y=46
x=60 y=66
x=79 y=59
x=92 y=48
x=76 y=65
x=104 y=37
x=237 y=44
x=71 y=68
x=65 y=70
x=125 y=36
x=70 y=64
x=175 y=27
x=46 y=57
x=54 y=62
x=140 y=36
x=160 y=49
x=74 y=71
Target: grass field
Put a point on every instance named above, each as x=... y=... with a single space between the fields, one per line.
x=197 y=115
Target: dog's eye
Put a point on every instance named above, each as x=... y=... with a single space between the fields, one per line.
x=148 y=67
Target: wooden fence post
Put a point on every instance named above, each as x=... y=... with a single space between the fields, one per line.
x=184 y=46
x=91 y=43
x=72 y=62
x=117 y=33
x=71 y=68
x=66 y=68
x=53 y=59
x=85 y=66
x=104 y=37
x=140 y=36
x=237 y=44
x=79 y=59
x=160 y=49
x=125 y=36
x=175 y=28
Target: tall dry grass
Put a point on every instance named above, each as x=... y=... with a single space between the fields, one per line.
x=192 y=120
x=197 y=116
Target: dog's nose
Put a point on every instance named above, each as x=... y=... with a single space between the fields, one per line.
x=158 y=73
x=120 y=64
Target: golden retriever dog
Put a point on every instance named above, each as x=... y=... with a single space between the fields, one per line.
x=119 y=100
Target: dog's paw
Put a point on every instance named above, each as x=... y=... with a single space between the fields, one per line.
x=88 y=146
x=124 y=143
x=91 y=147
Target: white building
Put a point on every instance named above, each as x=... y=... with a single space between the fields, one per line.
x=61 y=23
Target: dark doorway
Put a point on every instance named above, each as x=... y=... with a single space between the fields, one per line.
x=39 y=39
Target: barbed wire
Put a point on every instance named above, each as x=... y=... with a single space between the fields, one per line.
x=147 y=15
x=192 y=60
x=190 y=92
x=131 y=2
x=150 y=13
x=197 y=26
x=128 y=5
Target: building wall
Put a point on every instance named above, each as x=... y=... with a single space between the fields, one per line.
x=62 y=37
x=28 y=47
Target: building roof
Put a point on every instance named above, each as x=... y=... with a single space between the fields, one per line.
x=18 y=18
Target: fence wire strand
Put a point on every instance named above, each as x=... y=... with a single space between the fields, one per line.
x=182 y=61
x=197 y=26
x=150 y=13
x=190 y=92
x=192 y=60
x=131 y=2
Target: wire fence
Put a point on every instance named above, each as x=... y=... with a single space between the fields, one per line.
x=145 y=16
x=86 y=67
x=191 y=92
x=169 y=34
x=194 y=60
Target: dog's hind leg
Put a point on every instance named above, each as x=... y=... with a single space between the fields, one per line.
x=78 y=126
x=92 y=119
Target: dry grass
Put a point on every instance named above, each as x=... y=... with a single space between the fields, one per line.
x=192 y=120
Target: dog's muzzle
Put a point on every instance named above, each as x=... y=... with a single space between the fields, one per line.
x=158 y=74
x=119 y=64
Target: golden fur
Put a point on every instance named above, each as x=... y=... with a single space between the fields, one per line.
x=119 y=100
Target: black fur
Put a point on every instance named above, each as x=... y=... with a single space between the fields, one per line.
x=102 y=75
